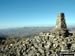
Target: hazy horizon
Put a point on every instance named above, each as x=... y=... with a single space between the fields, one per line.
x=34 y=13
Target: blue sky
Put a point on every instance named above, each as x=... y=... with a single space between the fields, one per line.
x=21 y=13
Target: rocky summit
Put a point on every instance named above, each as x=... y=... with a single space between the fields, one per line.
x=46 y=44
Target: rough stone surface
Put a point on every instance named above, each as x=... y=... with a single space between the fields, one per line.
x=40 y=46
x=61 y=21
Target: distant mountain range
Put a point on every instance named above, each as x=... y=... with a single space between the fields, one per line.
x=26 y=31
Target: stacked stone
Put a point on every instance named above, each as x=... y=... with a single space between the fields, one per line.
x=61 y=24
x=48 y=45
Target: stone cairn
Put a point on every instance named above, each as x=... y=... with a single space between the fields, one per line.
x=46 y=44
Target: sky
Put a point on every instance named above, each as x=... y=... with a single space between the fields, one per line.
x=32 y=13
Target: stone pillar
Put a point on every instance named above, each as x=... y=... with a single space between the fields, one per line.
x=61 y=27
x=60 y=24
